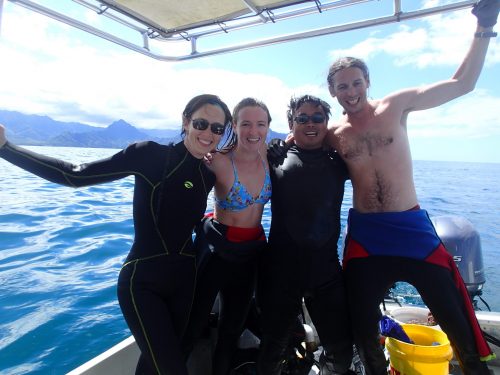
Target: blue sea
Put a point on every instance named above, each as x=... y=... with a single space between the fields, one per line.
x=61 y=250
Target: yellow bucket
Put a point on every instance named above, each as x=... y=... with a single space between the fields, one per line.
x=430 y=355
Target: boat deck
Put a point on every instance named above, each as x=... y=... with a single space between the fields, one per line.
x=122 y=358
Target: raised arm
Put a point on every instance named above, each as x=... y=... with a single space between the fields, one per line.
x=121 y=164
x=465 y=78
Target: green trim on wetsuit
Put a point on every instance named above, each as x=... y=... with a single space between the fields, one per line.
x=162 y=254
x=146 y=161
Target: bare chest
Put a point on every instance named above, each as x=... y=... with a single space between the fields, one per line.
x=355 y=145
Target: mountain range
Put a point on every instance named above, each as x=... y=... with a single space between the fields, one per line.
x=36 y=130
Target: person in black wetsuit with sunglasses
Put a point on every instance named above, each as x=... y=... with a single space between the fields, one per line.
x=302 y=259
x=156 y=282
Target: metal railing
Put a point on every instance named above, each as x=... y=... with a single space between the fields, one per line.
x=149 y=32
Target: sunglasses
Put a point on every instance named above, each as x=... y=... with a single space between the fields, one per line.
x=316 y=118
x=202 y=124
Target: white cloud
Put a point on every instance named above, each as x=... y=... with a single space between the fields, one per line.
x=442 y=40
x=49 y=72
x=53 y=73
x=467 y=117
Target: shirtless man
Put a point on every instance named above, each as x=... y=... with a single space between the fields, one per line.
x=389 y=237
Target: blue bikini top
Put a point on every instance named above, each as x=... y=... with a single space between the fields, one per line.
x=239 y=198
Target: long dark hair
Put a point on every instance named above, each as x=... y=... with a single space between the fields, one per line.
x=199 y=101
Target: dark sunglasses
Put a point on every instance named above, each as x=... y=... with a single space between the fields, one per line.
x=316 y=118
x=202 y=124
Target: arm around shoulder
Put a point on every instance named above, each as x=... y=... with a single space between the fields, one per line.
x=276 y=151
x=215 y=161
x=331 y=138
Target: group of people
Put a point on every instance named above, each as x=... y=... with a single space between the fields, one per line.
x=169 y=283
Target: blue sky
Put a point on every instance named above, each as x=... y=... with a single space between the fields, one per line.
x=48 y=68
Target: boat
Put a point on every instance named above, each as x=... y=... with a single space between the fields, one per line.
x=458 y=235
x=161 y=24
x=121 y=359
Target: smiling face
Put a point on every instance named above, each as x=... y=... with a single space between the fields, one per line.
x=309 y=135
x=251 y=126
x=200 y=142
x=350 y=86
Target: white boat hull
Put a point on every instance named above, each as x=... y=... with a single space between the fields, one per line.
x=122 y=358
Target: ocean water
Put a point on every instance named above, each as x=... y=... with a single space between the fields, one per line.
x=61 y=250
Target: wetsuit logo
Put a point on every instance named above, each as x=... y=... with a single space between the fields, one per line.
x=188 y=184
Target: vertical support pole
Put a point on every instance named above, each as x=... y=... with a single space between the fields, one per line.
x=397 y=7
x=145 y=41
x=193 y=45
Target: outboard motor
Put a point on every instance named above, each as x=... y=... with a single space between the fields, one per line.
x=463 y=243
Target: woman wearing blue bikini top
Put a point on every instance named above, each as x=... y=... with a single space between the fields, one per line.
x=233 y=234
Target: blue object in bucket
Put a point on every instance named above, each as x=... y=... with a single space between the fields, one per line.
x=390 y=328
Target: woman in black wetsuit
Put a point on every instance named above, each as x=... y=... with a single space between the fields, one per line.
x=156 y=282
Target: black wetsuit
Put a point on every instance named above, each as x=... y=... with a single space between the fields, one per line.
x=302 y=260
x=156 y=283
x=230 y=272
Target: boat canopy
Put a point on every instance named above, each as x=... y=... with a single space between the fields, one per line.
x=187 y=22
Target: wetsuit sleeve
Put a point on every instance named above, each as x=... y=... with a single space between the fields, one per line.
x=276 y=151
x=68 y=174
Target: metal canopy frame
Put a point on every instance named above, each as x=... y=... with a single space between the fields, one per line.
x=148 y=30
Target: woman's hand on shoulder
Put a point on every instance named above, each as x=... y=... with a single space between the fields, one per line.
x=290 y=139
x=333 y=136
x=213 y=160
x=207 y=159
